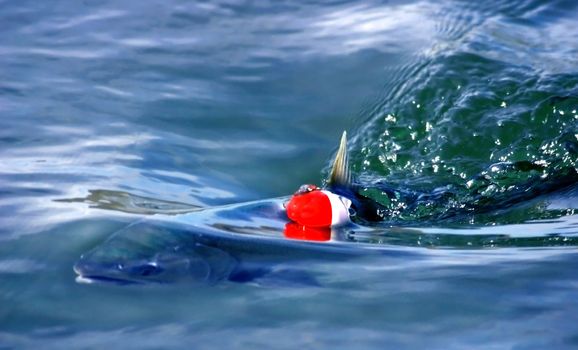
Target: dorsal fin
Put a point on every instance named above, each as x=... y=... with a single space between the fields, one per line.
x=340 y=175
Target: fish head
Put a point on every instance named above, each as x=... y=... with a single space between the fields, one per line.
x=139 y=255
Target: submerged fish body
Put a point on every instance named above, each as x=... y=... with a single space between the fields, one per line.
x=194 y=248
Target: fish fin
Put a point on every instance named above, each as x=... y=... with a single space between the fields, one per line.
x=340 y=174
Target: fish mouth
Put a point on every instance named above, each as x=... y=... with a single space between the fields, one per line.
x=142 y=271
x=82 y=279
x=86 y=275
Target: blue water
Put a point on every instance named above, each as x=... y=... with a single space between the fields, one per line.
x=111 y=112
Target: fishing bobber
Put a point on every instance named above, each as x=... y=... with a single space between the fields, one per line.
x=313 y=207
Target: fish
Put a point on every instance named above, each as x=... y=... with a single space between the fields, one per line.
x=157 y=252
x=272 y=242
x=229 y=244
x=178 y=246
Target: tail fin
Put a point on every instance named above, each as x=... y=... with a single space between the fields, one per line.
x=340 y=175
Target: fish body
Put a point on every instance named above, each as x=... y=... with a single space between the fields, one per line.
x=239 y=243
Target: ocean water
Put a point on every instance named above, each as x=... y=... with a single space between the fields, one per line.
x=155 y=143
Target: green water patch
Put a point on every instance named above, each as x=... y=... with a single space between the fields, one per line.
x=481 y=133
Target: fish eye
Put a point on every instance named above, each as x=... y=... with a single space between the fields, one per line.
x=306 y=189
x=148 y=269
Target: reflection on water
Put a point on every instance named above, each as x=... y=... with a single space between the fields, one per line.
x=317 y=234
x=133 y=204
x=196 y=248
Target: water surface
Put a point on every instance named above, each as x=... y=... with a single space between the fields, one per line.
x=114 y=111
